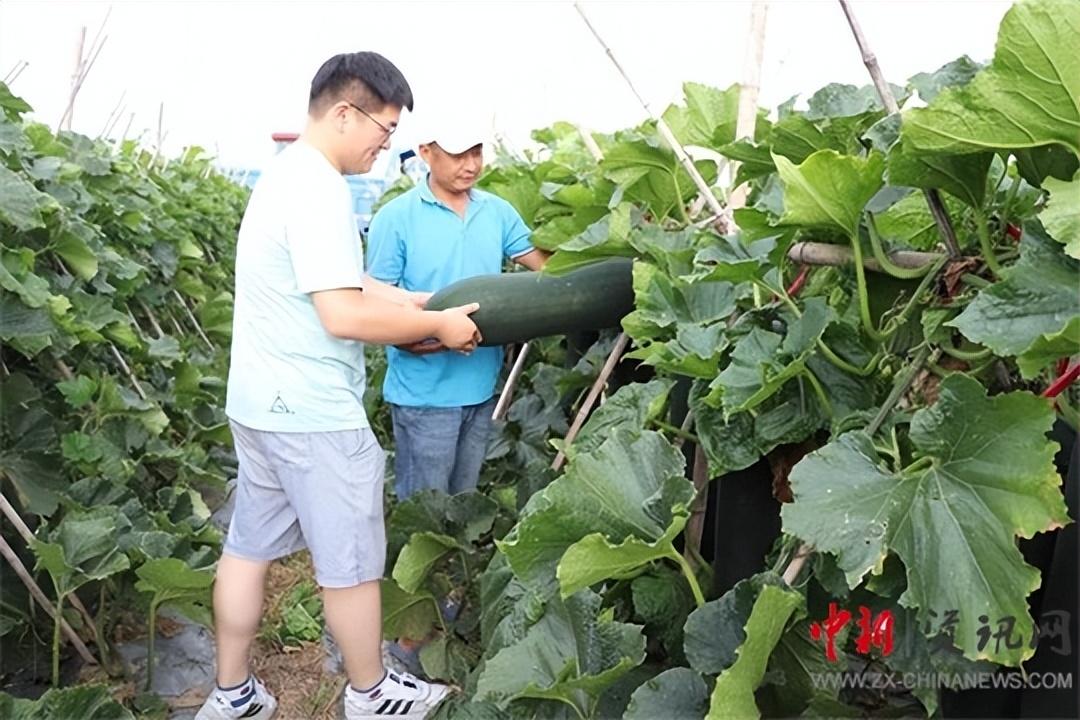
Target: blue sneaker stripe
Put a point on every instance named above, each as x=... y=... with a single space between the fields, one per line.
x=245 y=699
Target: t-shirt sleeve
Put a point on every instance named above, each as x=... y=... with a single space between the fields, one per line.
x=324 y=243
x=515 y=233
x=386 y=248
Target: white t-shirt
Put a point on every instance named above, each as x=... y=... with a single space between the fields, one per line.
x=298 y=235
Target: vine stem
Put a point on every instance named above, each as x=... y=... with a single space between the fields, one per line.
x=688 y=571
x=985 y=244
x=864 y=293
x=883 y=260
x=677 y=432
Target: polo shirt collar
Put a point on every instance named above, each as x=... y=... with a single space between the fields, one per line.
x=424 y=188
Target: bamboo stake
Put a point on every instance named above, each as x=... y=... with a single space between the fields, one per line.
x=661 y=126
x=796 y=565
x=9 y=510
x=65 y=119
x=160 y=120
x=114 y=116
x=191 y=317
x=695 y=526
x=65 y=371
x=590 y=399
x=35 y=591
x=812 y=253
x=127 y=371
x=590 y=144
x=150 y=316
x=175 y=323
x=15 y=72
x=82 y=69
x=508 y=389
x=933 y=198
x=748 y=91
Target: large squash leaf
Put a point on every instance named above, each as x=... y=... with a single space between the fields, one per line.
x=571 y=655
x=630 y=486
x=1036 y=297
x=1029 y=96
x=984 y=474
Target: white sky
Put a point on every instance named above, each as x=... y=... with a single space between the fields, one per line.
x=230 y=73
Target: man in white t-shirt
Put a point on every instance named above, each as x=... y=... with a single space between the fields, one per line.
x=310 y=470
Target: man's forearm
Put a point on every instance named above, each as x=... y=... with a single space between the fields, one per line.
x=385 y=291
x=368 y=317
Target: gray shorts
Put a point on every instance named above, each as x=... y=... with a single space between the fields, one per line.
x=319 y=490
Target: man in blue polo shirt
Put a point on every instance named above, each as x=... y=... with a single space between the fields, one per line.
x=441 y=231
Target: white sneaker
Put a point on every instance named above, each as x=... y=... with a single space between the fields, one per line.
x=260 y=706
x=401 y=696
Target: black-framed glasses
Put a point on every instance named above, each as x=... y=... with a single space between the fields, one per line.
x=388 y=130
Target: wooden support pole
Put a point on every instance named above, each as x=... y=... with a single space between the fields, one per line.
x=590 y=399
x=35 y=591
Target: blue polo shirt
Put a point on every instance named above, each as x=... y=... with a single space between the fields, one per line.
x=418 y=243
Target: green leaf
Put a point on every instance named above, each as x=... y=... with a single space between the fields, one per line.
x=17 y=275
x=1027 y=97
x=662 y=600
x=829 y=189
x=593 y=558
x=572 y=654
x=796 y=137
x=13 y=105
x=78 y=255
x=22 y=204
x=607 y=237
x=78 y=392
x=86 y=702
x=172 y=578
x=952 y=74
x=675 y=694
x=797 y=667
x=1037 y=296
x=733 y=695
x=738 y=441
x=81 y=550
x=407 y=615
x=1061 y=217
x=1037 y=164
x=983 y=474
x=763 y=361
x=963 y=176
x=31 y=327
x=1050 y=347
x=709 y=118
x=840 y=100
x=632 y=406
x=165 y=349
x=715 y=631
x=651 y=175
x=909 y=223
x=419 y=556
x=629 y=486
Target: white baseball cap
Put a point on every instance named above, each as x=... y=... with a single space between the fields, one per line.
x=454 y=131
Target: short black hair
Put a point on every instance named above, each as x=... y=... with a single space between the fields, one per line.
x=373 y=82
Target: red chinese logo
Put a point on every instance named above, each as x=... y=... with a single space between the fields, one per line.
x=874 y=632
